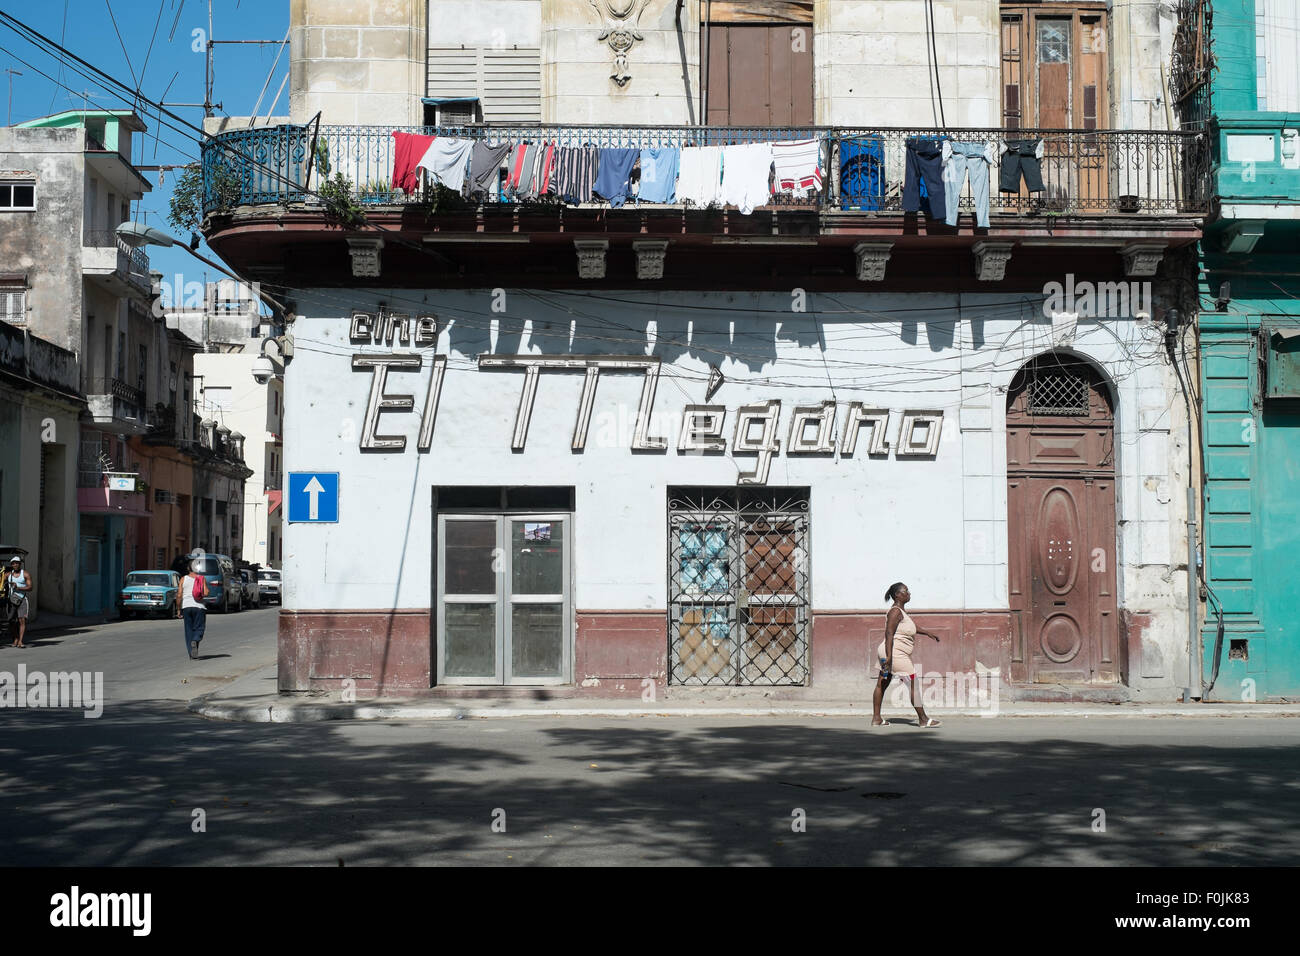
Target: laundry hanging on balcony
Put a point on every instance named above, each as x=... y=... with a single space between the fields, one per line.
x=798 y=165
x=1021 y=156
x=923 y=166
x=959 y=159
x=485 y=166
x=747 y=176
x=446 y=160
x=699 y=178
x=659 y=174
x=408 y=149
x=576 y=169
x=615 y=175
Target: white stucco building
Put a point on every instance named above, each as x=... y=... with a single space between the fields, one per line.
x=550 y=439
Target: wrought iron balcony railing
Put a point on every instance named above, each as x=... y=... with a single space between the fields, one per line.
x=1084 y=172
x=127 y=393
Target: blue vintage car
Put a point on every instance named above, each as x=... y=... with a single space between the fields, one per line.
x=151 y=592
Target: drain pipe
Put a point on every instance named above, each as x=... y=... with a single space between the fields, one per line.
x=1193 y=626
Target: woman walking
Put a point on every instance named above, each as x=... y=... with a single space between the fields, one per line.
x=895 y=654
x=17 y=584
x=194 y=588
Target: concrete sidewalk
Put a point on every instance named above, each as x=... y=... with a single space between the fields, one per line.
x=49 y=621
x=245 y=699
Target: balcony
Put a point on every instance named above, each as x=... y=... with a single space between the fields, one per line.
x=119 y=268
x=1103 y=189
x=117 y=407
x=162 y=426
x=1256 y=168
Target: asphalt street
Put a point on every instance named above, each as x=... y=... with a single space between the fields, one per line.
x=125 y=788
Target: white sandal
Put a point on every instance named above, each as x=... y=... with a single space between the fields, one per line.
x=931 y=722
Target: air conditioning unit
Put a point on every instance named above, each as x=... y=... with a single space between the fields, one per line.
x=453 y=111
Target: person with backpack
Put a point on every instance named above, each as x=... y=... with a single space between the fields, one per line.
x=194 y=588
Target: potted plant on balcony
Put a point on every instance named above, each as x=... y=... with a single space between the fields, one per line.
x=375 y=192
x=186 y=206
x=340 y=206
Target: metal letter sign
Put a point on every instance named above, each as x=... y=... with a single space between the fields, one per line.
x=314 y=496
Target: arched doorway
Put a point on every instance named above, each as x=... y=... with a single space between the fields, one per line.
x=1061 y=522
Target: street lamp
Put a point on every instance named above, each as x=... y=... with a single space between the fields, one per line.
x=138 y=234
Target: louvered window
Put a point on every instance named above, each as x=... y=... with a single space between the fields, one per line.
x=507 y=83
x=13 y=302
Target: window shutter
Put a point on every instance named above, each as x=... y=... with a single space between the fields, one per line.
x=13 y=304
x=507 y=82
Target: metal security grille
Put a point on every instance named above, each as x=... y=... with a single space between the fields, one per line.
x=1058 y=394
x=738 y=586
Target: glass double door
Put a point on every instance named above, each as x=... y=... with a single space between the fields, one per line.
x=504 y=602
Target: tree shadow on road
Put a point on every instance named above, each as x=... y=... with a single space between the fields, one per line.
x=123 y=790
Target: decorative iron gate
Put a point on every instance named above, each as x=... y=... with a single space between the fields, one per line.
x=738 y=586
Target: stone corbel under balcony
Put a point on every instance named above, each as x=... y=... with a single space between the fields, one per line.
x=1142 y=258
x=872 y=257
x=365 y=256
x=591 y=258
x=650 y=255
x=991 y=259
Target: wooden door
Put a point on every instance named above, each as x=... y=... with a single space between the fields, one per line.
x=760 y=74
x=1063 y=576
x=1061 y=524
x=1054 y=77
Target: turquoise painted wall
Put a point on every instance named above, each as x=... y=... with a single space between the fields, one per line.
x=77 y=120
x=1251 y=446
x=1234 y=51
x=1252 y=504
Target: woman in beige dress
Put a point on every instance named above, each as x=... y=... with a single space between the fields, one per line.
x=895 y=655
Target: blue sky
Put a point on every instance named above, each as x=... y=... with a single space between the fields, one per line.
x=86 y=28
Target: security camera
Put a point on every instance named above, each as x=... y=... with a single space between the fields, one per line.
x=263 y=370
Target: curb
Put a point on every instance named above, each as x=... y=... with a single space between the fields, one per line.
x=278 y=711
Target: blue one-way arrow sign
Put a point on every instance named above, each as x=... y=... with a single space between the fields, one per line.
x=313 y=496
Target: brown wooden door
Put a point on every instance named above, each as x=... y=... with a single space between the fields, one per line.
x=1065 y=574
x=1054 y=77
x=760 y=74
x=1061 y=524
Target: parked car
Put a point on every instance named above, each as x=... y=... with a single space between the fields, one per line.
x=268 y=579
x=225 y=587
x=250 y=594
x=150 y=592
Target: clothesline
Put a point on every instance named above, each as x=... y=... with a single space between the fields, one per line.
x=744 y=175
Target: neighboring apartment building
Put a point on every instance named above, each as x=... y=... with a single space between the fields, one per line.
x=780 y=410
x=232 y=328
x=66 y=183
x=40 y=402
x=1250 y=343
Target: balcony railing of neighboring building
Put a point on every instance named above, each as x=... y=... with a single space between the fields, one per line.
x=162 y=424
x=127 y=393
x=1084 y=172
x=132 y=263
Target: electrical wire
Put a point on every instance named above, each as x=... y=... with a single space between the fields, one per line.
x=938 y=84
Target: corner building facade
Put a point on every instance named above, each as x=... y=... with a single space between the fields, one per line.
x=603 y=447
